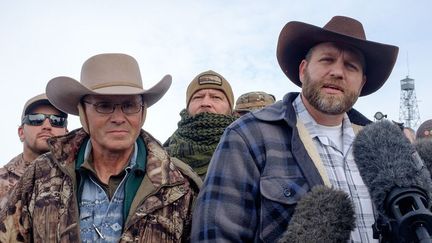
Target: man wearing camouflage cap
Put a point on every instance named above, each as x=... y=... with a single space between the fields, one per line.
x=252 y=101
x=40 y=120
x=209 y=110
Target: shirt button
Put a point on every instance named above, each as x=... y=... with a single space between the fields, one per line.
x=287 y=192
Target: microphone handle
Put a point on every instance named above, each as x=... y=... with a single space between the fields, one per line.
x=423 y=234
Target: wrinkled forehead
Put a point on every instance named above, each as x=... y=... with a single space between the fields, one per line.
x=209 y=91
x=113 y=98
x=336 y=48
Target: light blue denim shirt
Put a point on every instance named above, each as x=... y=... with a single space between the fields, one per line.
x=101 y=219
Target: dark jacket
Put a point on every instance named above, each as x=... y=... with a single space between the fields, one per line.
x=258 y=173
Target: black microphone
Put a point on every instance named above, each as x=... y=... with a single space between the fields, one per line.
x=398 y=181
x=424 y=148
x=322 y=215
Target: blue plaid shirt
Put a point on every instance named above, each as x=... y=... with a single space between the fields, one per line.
x=258 y=172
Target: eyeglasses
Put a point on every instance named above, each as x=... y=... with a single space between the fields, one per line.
x=107 y=108
x=38 y=119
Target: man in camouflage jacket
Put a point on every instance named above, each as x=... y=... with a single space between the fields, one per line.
x=43 y=207
x=36 y=127
x=109 y=181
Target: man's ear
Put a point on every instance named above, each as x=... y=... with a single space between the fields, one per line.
x=364 y=81
x=21 y=133
x=302 y=69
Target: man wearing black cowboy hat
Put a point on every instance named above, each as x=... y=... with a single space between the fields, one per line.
x=268 y=160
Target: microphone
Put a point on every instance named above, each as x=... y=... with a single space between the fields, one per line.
x=322 y=215
x=424 y=148
x=398 y=181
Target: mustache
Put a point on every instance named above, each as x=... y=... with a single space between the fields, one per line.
x=42 y=134
x=333 y=83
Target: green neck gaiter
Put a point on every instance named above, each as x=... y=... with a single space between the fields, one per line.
x=196 y=138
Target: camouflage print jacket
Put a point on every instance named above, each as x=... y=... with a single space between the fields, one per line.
x=9 y=176
x=43 y=207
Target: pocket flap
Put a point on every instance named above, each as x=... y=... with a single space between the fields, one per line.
x=286 y=190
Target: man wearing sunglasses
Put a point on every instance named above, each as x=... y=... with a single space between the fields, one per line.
x=109 y=181
x=40 y=120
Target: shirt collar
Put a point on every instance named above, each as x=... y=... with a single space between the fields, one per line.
x=311 y=125
x=89 y=165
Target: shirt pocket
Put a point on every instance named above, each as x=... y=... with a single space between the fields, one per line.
x=285 y=190
x=279 y=196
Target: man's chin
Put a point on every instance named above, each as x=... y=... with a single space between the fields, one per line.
x=42 y=150
x=119 y=147
x=331 y=107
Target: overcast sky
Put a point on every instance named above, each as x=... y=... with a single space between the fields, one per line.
x=44 y=39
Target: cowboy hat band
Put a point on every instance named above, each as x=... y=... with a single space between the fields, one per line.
x=104 y=74
x=297 y=38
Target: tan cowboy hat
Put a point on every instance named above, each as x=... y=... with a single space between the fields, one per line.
x=104 y=74
x=296 y=38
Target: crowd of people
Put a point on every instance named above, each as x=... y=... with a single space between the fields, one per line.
x=232 y=171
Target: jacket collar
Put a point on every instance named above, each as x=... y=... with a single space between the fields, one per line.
x=65 y=150
x=283 y=110
x=17 y=165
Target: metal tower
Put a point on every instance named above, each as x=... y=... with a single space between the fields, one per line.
x=408 y=109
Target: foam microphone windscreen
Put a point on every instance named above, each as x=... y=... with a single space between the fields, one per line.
x=386 y=160
x=322 y=215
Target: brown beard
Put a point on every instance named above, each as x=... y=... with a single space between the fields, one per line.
x=327 y=104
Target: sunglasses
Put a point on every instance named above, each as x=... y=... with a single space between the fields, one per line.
x=39 y=118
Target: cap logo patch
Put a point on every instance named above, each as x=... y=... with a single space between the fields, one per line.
x=210 y=79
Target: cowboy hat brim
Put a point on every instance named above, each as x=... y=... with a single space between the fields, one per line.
x=66 y=93
x=297 y=38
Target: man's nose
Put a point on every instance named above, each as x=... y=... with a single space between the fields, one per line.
x=46 y=124
x=337 y=69
x=206 y=101
x=118 y=115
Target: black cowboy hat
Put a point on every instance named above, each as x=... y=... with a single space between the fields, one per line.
x=296 y=38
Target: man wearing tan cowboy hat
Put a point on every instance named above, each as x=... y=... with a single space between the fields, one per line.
x=209 y=110
x=40 y=120
x=268 y=160
x=252 y=101
x=109 y=181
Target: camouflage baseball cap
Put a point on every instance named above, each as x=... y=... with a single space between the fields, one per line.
x=38 y=100
x=253 y=101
